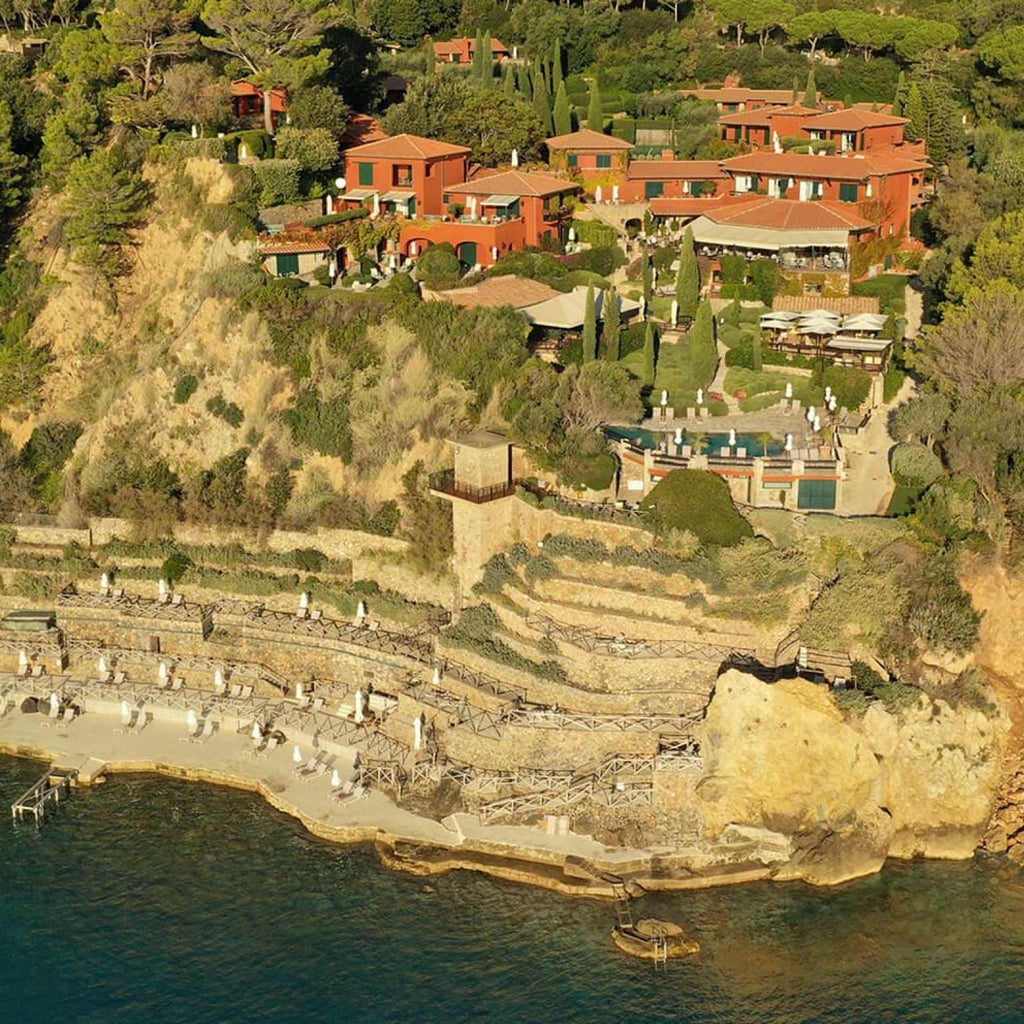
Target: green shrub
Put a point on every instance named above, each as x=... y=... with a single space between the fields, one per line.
x=227 y=411
x=185 y=387
x=690 y=499
x=277 y=181
x=915 y=465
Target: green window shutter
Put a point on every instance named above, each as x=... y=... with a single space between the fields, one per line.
x=604 y=160
x=366 y=174
x=653 y=189
x=287 y=263
x=847 y=193
x=816 y=494
x=573 y=160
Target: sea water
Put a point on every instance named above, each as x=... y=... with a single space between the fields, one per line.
x=147 y=900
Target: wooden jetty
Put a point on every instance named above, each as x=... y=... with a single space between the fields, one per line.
x=44 y=795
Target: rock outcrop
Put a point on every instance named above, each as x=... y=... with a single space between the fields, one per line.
x=848 y=792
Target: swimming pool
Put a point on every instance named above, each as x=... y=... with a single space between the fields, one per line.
x=715 y=441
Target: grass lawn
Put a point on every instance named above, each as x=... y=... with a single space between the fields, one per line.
x=766 y=387
x=673 y=373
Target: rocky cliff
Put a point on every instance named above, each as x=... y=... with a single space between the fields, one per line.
x=847 y=792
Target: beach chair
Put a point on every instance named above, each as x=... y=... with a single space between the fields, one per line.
x=271 y=744
x=209 y=728
x=127 y=721
x=192 y=736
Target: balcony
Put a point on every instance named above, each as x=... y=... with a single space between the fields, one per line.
x=445 y=483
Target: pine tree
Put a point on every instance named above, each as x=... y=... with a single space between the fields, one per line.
x=542 y=101
x=811 y=92
x=595 y=113
x=899 y=100
x=649 y=355
x=916 y=113
x=589 y=327
x=610 y=334
x=563 y=112
x=688 y=278
x=556 y=66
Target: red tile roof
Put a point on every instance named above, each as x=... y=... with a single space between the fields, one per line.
x=514 y=183
x=791 y=215
x=407 y=147
x=675 y=170
x=833 y=168
x=764 y=116
x=853 y=120
x=586 y=140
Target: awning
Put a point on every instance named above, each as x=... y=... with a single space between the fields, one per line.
x=357 y=195
x=500 y=201
x=395 y=196
x=707 y=232
x=845 y=344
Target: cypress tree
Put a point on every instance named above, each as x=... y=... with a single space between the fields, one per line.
x=556 y=66
x=595 y=113
x=649 y=355
x=589 y=327
x=563 y=114
x=899 y=100
x=610 y=333
x=688 y=278
x=541 y=102
x=916 y=112
x=811 y=92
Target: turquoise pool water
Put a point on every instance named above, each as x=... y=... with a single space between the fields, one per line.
x=161 y=902
x=716 y=441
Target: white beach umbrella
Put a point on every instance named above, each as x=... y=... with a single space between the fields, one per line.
x=257 y=732
x=359 y=706
x=193 y=721
x=296 y=754
x=54 y=702
x=335 y=778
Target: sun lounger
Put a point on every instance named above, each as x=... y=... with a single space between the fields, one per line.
x=194 y=734
x=209 y=728
x=128 y=721
x=271 y=744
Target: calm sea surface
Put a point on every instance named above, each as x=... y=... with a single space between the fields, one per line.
x=149 y=900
